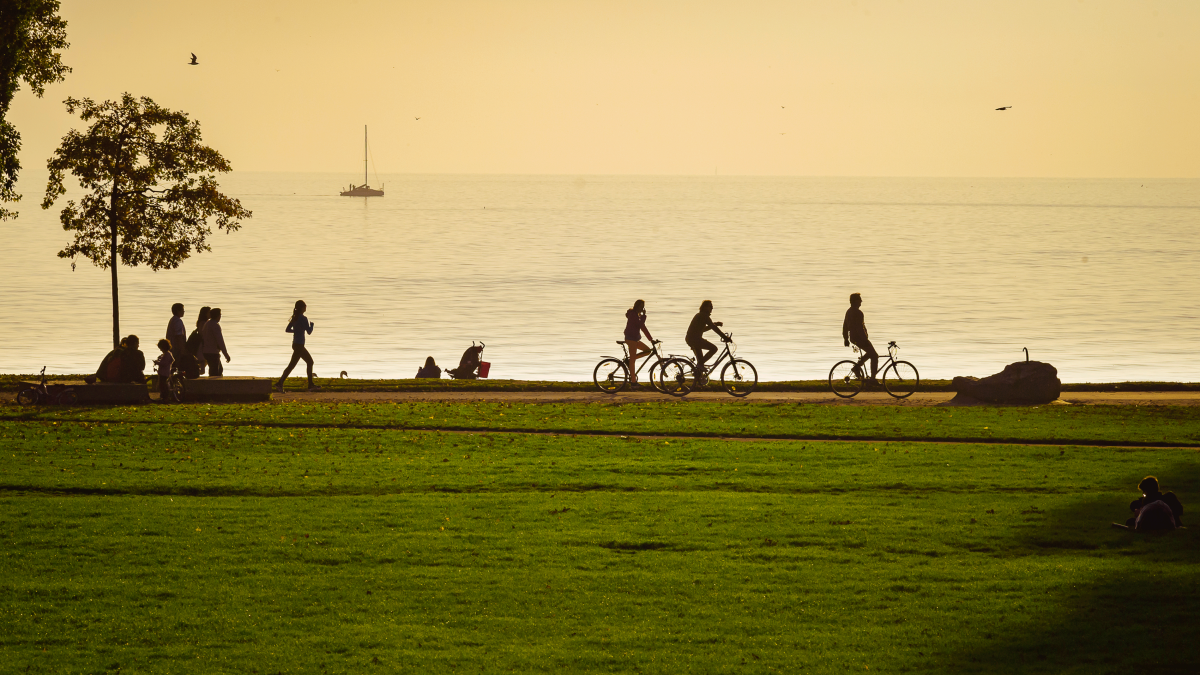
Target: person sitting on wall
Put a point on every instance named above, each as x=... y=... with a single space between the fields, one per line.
x=1154 y=511
x=429 y=370
x=126 y=363
x=468 y=366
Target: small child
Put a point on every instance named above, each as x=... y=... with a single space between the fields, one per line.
x=165 y=363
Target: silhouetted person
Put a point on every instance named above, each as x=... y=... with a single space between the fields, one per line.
x=177 y=336
x=468 y=366
x=195 y=341
x=214 y=344
x=702 y=323
x=163 y=365
x=635 y=325
x=1154 y=511
x=126 y=363
x=854 y=329
x=430 y=370
x=299 y=326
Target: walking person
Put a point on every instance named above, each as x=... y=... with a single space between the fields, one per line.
x=195 y=341
x=854 y=329
x=299 y=326
x=635 y=325
x=177 y=336
x=214 y=344
x=703 y=349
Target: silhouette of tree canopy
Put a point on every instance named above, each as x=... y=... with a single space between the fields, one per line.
x=31 y=37
x=149 y=183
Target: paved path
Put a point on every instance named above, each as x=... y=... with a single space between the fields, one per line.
x=1186 y=398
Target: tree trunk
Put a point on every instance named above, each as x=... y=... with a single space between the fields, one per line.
x=112 y=262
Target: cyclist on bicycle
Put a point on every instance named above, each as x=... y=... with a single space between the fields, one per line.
x=635 y=325
x=702 y=323
x=854 y=329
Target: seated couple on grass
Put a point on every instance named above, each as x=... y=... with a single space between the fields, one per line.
x=1154 y=511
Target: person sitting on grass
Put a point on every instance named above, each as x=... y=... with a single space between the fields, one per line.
x=430 y=370
x=1154 y=511
x=164 y=364
x=126 y=363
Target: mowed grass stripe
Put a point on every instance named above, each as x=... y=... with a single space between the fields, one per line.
x=1160 y=426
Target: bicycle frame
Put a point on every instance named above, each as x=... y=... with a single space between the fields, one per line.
x=892 y=350
x=711 y=366
x=655 y=352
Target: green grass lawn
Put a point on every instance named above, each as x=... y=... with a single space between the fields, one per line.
x=314 y=538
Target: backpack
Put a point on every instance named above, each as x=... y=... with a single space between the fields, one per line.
x=112 y=370
x=193 y=343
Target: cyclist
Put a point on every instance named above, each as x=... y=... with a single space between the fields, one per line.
x=635 y=325
x=702 y=323
x=854 y=329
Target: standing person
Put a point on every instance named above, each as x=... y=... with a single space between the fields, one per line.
x=177 y=337
x=195 y=341
x=854 y=329
x=702 y=323
x=214 y=344
x=635 y=325
x=299 y=326
x=163 y=364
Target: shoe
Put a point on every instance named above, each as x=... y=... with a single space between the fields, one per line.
x=635 y=385
x=701 y=380
x=315 y=387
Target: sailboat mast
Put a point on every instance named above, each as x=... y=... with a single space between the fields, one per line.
x=364 y=154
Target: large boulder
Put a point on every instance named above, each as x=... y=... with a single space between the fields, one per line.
x=1020 y=382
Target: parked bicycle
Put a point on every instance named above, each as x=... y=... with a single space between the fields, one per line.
x=739 y=377
x=611 y=375
x=45 y=393
x=175 y=386
x=900 y=378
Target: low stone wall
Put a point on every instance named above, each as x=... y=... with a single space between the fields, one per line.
x=228 y=389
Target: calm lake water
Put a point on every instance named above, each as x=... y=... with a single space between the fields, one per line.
x=1099 y=277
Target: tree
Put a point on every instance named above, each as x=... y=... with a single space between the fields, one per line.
x=31 y=37
x=120 y=161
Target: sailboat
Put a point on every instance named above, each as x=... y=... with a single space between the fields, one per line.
x=363 y=190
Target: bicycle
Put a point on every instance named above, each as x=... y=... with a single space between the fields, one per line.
x=900 y=378
x=738 y=376
x=611 y=375
x=176 y=387
x=54 y=394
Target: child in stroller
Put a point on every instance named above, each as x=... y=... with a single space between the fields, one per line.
x=468 y=366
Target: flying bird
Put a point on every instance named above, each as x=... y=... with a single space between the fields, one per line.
x=194 y=61
x=1004 y=108
x=416 y=118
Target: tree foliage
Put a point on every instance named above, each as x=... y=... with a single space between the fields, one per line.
x=149 y=181
x=150 y=188
x=31 y=38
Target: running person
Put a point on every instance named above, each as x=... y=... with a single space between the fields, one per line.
x=854 y=329
x=299 y=326
x=635 y=325
x=702 y=323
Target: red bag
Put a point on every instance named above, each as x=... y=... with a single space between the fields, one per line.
x=113 y=371
x=484 y=367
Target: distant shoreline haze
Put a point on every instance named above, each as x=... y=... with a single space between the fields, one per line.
x=1100 y=277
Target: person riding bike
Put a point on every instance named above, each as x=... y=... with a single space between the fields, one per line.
x=854 y=329
x=635 y=325
x=702 y=323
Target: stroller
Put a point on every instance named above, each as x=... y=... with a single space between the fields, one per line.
x=470 y=367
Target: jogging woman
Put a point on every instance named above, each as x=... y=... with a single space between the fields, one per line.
x=635 y=325
x=299 y=326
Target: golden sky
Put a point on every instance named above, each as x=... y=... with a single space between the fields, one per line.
x=861 y=87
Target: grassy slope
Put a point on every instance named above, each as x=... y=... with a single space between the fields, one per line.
x=198 y=547
x=1145 y=424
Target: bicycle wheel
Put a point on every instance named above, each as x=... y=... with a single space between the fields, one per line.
x=27 y=396
x=677 y=377
x=611 y=375
x=654 y=372
x=845 y=379
x=739 y=377
x=901 y=379
x=68 y=397
x=175 y=388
